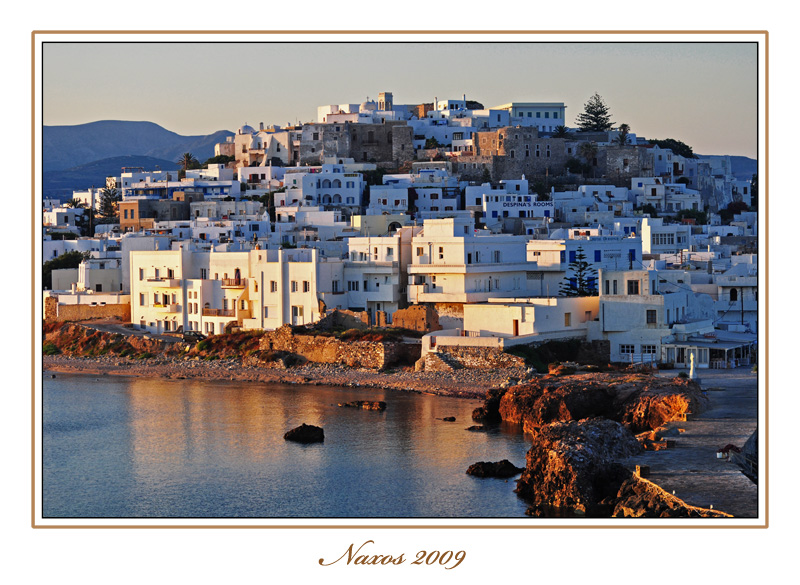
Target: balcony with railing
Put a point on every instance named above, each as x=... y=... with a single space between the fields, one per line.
x=219 y=313
x=165 y=282
x=234 y=283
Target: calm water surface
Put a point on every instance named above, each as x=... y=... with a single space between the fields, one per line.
x=128 y=447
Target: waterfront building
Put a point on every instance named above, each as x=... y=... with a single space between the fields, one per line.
x=638 y=313
x=211 y=292
x=452 y=263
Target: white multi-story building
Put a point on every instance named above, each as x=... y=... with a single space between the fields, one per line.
x=328 y=185
x=637 y=317
x=660 y=238
x=63 y=219
x=147 y=188
x=666 y=198
x=210 y=292
x=452 y=262
x=549 y=270
x=545 y=116
x=511 y=199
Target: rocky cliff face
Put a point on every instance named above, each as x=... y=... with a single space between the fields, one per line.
x=581 y=426
x=78 y=341
x=571 y=466
x=572 y=469
x=641 y=402
x=640 y=498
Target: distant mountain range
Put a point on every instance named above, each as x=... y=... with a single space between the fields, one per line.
x=85 y=154
x=742 y=167
x=61 y=184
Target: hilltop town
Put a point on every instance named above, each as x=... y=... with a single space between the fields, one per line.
x=477 y=233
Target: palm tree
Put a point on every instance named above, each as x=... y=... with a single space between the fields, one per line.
x=76 y=203
x=588 y=150
x=560 y=132
x=188 y=161
x=622 y=138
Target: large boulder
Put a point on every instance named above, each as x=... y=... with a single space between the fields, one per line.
x=641 y=402
x=490 y=411
x=549 y=399
x=305 y=434
x=571 y=466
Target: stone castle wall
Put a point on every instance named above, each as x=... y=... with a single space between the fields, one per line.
x=55 y=312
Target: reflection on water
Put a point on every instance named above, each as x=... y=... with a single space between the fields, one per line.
x=121 y=447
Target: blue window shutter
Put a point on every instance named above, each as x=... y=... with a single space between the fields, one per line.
x=598 y=255
x=572 y=256
x=563 y=256
x=633 y=255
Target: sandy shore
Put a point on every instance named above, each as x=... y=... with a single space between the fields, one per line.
x=460 y=383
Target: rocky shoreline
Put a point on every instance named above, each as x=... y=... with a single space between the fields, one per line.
x=461 y=383
x=582 y=426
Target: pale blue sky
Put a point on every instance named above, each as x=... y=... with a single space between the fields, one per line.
x=704 y=94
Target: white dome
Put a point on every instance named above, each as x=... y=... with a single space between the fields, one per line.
x=247 y=130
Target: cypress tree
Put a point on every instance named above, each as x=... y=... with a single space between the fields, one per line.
x=596 y=116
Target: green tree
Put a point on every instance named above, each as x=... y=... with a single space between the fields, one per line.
x=596 y=116
x=754 y=192
x=432 y=143
x=75 y=203
x=109 y=197
x=486 y=176
x=622 y=138
x=560 y=132
x=581 y=278
x=573 y=165
x=732 y=209
x=66 y=260
x=649 y=209
x=542 y=193
x=588 y=150
x=221 y=159
x=187 y=161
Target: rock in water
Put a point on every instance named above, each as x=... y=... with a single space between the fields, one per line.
x=305 y=434
x=365 y=404
x=490 y=411
x=449 y=419
x=500 y=469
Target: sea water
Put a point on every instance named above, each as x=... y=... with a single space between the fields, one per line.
x=122 y=447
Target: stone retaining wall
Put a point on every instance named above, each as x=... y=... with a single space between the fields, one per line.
x=483 y=358
x=329 y=350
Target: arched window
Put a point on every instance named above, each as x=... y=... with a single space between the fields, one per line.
x=336 y=184
x=734 y=295
x=337 y=198
x=326 y=184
